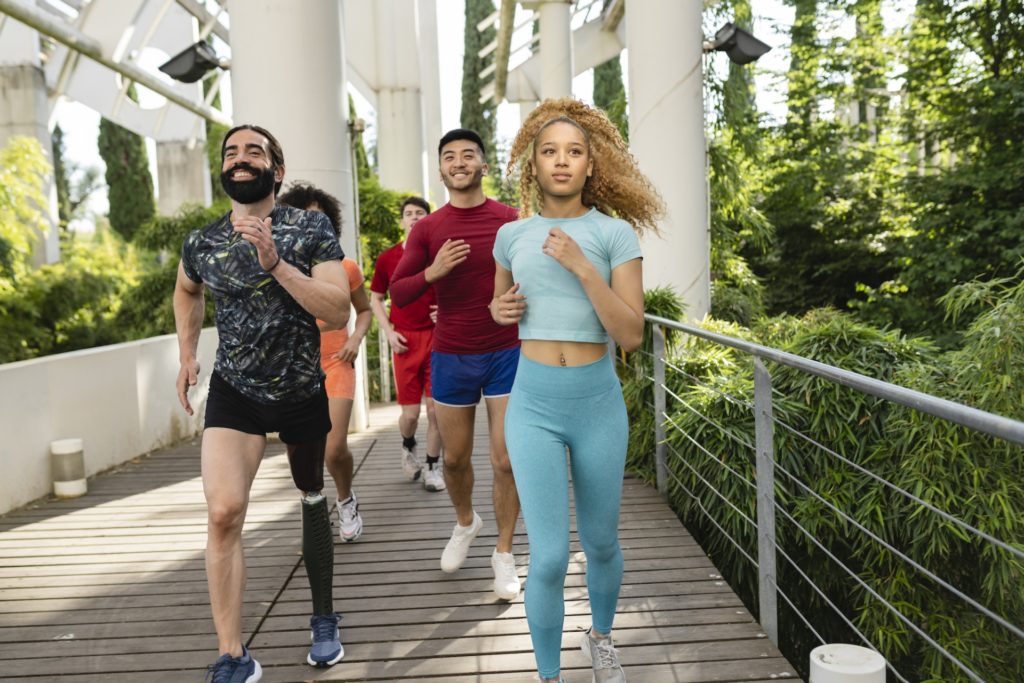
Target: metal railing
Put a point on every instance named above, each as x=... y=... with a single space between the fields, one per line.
x=767 y=508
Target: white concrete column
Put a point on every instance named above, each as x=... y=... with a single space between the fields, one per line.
x=183 y=176
x=25 y=111
x=430 y=91
x=666 y=134
x=400 y=140
x=399 y=111
x=555 y=49
x=288 y=75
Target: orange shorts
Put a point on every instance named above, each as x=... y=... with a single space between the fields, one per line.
x=341 y=375
x=412 y=368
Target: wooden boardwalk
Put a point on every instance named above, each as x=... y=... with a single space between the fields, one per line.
x=110 y=587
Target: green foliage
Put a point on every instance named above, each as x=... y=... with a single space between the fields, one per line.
x=379 y=226
x=481 y=117
x=362 y=161
x=129 y=184
x=23 y=169
x=147 y=310
x=67 y=305
x=60 y=177
x=610 y=94
x=973 y=477
x=168 y=232
x=635 y=374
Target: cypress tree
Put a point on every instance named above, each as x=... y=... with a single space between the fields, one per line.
x=60 y=178
x=129 y=183
x=476 y=115
x=610 y=94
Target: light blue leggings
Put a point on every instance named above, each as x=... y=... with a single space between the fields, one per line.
x=550 y=408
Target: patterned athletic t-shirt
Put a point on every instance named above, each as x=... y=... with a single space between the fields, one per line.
x=269 y=346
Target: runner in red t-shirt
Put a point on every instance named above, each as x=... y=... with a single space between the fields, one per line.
x=473 y=356
x=410 y=332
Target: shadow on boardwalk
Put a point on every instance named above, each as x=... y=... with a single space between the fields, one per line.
x=111 y=588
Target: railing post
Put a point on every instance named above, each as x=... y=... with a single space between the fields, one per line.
x=661 y=467
x=384 y=349
x=764 y=429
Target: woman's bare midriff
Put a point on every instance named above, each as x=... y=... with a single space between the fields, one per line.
x=567 y=353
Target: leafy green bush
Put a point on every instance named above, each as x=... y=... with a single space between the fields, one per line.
x=70 y=304
x=975 y=478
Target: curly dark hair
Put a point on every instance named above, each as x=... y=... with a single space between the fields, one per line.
x=617 y=186
x=304 y=195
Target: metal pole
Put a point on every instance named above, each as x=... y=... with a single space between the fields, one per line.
x=660 y=465
x=385 y=369
x=763 y=427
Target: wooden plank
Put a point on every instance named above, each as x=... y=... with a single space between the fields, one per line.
x=113 y=586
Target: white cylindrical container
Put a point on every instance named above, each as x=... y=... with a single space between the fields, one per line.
x=841 y=663
x=68 y=464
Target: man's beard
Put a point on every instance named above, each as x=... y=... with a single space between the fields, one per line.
x=248 y=191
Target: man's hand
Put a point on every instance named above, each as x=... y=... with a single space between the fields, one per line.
x=188 y=375
x=509 y=308
x=433 y=313
x=451 y=254
x=397 y=342
x=257 y=232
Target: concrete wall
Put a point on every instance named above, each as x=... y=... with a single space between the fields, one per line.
x=118 y=399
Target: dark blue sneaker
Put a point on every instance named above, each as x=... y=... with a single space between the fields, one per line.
x=326 y=649
x=228 y=669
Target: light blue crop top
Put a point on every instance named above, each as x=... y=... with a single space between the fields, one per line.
x=556 y=305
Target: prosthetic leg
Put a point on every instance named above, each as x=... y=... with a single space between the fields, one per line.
x=307 y=465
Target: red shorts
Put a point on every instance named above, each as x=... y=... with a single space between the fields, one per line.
x=412 y=368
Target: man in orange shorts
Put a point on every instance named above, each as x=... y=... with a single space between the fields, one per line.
x=410 y=331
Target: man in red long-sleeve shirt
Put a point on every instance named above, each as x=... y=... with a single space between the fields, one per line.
x=472 y=355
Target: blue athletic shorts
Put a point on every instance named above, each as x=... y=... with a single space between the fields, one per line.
x=460 y=379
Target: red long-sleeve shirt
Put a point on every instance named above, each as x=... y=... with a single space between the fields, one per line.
x=464 y=323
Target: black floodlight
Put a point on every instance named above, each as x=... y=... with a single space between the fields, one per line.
x=740 y=45
x=192 y=63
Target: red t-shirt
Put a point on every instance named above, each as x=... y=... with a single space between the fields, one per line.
x=464 y=323
x=415 y=316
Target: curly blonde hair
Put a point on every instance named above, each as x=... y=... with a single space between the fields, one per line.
x=616 y=187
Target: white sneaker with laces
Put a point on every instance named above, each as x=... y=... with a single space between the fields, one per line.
x=458 y=545
x=506 y=581
x=433 y=477
x=604 y=658
x=350 y=522
x=410 y=463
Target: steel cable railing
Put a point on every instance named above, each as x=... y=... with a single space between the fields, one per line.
x=766 y=483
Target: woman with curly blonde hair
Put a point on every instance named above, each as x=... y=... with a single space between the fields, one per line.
x=575 y=256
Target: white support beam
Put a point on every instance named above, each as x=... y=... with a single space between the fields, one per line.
x=93 y=49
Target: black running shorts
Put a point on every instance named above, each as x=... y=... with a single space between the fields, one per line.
x=299 y=422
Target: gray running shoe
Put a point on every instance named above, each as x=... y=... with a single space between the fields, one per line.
x=410 y=464
x=433 y=477
x=350 y=522
x=604 y=658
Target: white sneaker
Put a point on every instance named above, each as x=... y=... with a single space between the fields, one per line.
x=350 y=522
x=506 y=581
x=458 y=545
x=604 y=658
x=410 y=463
x=433 y=477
